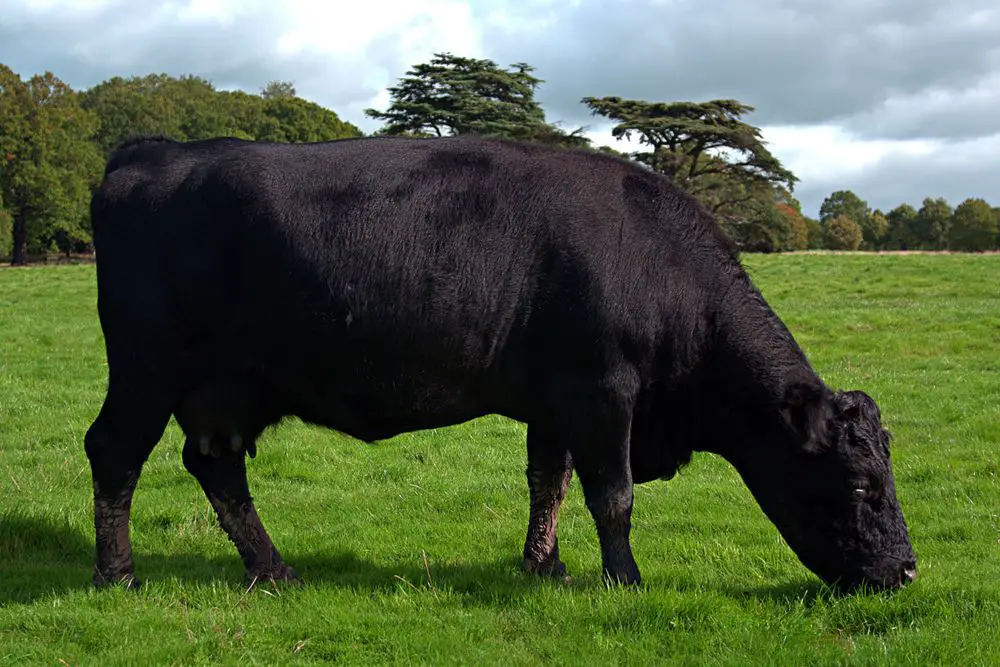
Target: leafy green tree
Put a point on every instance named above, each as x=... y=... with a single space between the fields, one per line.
x=842 y=233
x=932 y=226
x=974 y=226
x=767 y=223
x=189 y=108
x=815 y=233
x=704 y=147
x=131 y=107
x=844 y=202
x=299 y=120
x=201 y=110
x=277 y=90
x=452 y=95
x=50 y=161
x=901 y=234
x=875 y=230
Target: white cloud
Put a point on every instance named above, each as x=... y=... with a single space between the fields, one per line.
x=888 y=99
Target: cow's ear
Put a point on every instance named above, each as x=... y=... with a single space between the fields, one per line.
x=807 y=408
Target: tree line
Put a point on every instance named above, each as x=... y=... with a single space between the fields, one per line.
x=54 y=142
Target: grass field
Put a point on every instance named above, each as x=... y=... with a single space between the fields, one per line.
x=410 y=549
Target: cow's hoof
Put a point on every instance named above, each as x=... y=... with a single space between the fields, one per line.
x=282 y=573
x=126 y=580
x=550 y=567
x=628 y=578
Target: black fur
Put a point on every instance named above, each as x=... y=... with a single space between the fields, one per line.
x=380 y=286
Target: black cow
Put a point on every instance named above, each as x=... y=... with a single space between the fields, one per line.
x=378 y=286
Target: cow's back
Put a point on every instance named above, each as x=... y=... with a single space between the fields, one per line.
x=387 y=278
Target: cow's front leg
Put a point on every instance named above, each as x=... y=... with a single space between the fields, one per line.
x=600 y=450
x=220 y=468
x=549 y=472
x=608 y=494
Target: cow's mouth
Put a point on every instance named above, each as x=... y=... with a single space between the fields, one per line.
x=890 y=575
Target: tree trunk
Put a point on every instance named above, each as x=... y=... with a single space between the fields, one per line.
x=19 y=254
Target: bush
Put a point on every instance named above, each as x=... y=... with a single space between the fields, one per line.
x=842 y=233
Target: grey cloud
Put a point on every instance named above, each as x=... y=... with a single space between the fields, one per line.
x=798 y=63
x=899 y=179
x=124 y=38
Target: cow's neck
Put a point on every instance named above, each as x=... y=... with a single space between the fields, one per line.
x=753 y=359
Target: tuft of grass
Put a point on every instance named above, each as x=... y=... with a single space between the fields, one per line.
x=410 y=549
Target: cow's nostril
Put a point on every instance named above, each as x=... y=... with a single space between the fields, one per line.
x=907 y=575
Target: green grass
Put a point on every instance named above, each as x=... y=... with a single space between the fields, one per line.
x=410 y=549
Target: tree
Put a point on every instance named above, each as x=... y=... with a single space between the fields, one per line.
x=49 y=161
x=900 y=234
x=815 y=233
x=932 y=226
x=189 y=108
x=277 y=90
x=844 y=202
x=842 y=233
x=798 y=232
x=874 y=230
x=283 y=118
x=974 y=226
x=452 y=95
x=132 y=107
x=703 y=147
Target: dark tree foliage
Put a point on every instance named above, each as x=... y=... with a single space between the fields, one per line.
x=53 y=141
x=49 y=162
x=705 y=147
x=974 y=226
x=932 y=226
x=452 y=95
x=901 y=234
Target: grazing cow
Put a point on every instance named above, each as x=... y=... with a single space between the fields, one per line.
x=379 y=286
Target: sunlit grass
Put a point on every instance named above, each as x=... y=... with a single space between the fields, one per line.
x=410 y=549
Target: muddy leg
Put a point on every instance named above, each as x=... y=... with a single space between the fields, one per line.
x=549 y=472
x=117 y=444
x=222 y=473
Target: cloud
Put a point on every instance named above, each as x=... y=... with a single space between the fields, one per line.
x=340 y=55
x=887 y=172
x=896 y=100
x=799 y=63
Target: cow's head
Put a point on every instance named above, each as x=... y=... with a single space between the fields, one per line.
x=829 y=488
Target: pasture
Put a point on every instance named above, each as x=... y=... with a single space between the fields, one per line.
x=410 y=549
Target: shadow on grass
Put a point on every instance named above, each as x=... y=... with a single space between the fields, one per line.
x=41 y=556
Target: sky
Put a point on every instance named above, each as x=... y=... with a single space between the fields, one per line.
x=896 y=100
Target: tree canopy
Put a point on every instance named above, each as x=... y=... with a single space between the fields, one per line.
x=704 y=147
x=975 y=226
x=49 y=161
x=453 y=95
x=53 y=141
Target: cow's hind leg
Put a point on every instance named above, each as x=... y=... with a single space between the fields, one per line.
x=117 y=444
x=549 y=472
x=219 y=465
